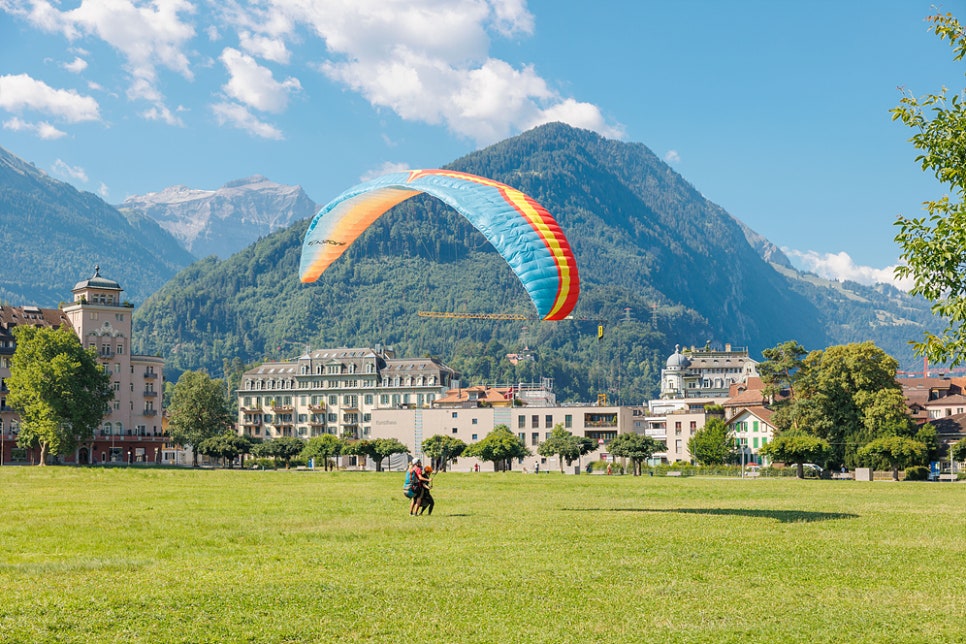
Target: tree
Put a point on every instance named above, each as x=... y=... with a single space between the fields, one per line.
x=324 y=447
x=637 y=447
x=442 y=449
x=933 y=250
x=499 y=446
x=376 y=449
x=928 y=436
x=712 y=444
x=900 y=451
x=837 y=391
x=58 y=388
x=798 y=448
x=199 y=410
x=780 y=367
x=562 y=444
x=226 y=447
x=286 y=448
x=957 y=451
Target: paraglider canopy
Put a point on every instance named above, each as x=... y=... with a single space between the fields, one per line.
x=520 y=229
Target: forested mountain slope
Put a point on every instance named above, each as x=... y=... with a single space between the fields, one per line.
x=53 y=235
x=659 y=265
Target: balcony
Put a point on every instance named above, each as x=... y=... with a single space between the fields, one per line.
x=150 y=374
x=151 y=394
x=283 y=409
x=150 y=412
x=317 y=409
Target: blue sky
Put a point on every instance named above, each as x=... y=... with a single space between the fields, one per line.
x=777 y=111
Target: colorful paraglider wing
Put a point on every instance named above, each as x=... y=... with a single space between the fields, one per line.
x=520 y=229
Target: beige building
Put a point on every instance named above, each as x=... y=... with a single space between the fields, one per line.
x=132 y=429
x=469 y=414
x=335 y=391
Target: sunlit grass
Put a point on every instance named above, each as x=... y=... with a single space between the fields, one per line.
x=143 y=555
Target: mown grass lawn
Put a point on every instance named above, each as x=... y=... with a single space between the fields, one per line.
x=159 y=555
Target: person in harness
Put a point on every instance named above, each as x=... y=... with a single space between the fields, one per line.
x=426 y=501
x=414 y=485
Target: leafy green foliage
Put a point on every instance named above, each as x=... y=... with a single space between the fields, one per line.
x=226 y=447
x=847 y=395
x=58 y=388
x=712 y=444
x=562 y=444
x=798 y=448
x=917 y=473
x=934 y=248
x=442 y=449
x=958 y=450
x=499 y=447
x=283 y=448
x=780 y=367
x=199 y=409
x=325 y=448
x=898 y=450
x=637 y=447
x=377 y=449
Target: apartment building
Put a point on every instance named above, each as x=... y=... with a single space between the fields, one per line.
x=132 y=430
x=335 y=391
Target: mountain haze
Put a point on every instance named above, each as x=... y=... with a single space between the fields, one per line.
x=53 y=235
x=222 y=222
x=660 y=265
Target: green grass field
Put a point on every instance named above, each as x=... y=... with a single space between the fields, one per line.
x=160 y=555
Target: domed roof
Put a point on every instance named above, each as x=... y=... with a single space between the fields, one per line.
x=678 y=360
x=96 y=281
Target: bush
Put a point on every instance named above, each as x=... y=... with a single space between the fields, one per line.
x=917 y=473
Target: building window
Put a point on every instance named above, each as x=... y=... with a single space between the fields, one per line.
x=534 y=438
x=521 y=422
x=535 y=421
x=475 y=421
x=474 y=437
x=568 y=421
x=454 y=414
x=548 y=421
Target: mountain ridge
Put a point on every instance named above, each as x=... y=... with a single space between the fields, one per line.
x=223 y=221
x=661 y=264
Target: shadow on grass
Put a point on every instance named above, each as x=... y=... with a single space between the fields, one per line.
x=782 y=516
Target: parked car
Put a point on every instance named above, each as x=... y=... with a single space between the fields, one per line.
x=811 y=470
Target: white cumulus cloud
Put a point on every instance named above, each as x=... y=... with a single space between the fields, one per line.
x=43 y=129
x=62 y=169
x=146 y=35
x=20 y=92
x=386 y=168
x=76 y=66
x=426 y=61
x=672 y=156
x=841 y=267
x=254 y=85
x=240 y=117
